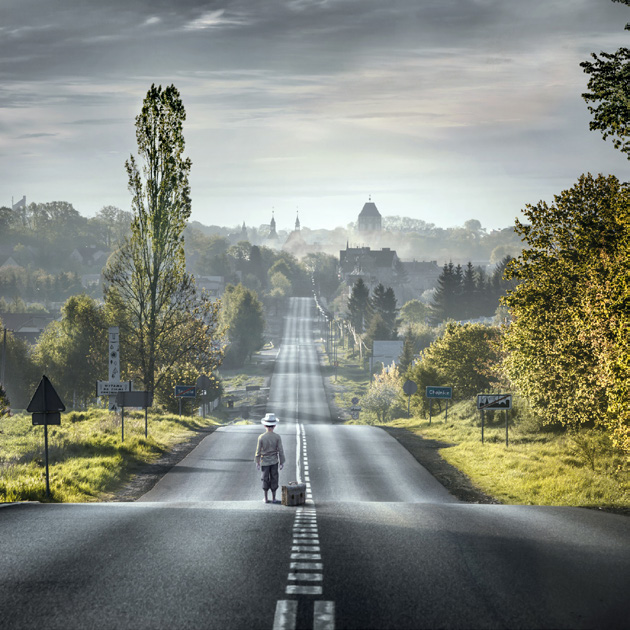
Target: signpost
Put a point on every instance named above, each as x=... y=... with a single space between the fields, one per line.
x=114 y=362
x=494 y=402
x=46 y=407
x=410 y=388
x=203 y=385
x=438 y=392
x=354 y=409
x=184 y=391
x=142 y=400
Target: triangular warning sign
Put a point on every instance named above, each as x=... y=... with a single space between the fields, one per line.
x=45 y=399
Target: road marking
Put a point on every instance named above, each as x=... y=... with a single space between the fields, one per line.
x=286 y=614
x=324 y=616
x=306 y=556
x=305 y=577
x=298 y=589
x=305 y=549
x=307 y=566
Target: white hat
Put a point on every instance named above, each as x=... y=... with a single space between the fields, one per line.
x=270 y=420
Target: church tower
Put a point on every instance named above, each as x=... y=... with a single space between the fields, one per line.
x=272 y=227
x=370 y=218
x=297 y=222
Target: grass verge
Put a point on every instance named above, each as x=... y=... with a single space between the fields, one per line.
x=536 y=468
x=88 y=461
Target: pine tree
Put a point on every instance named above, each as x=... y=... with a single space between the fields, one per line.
x=359 y=308
x=444 y=302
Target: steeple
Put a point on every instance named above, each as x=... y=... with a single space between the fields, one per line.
x=297 y=221
x=272 y=227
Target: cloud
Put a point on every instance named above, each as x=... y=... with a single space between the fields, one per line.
x=35 y=135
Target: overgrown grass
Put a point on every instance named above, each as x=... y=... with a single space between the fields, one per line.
x=538 y=467
x=88 y=461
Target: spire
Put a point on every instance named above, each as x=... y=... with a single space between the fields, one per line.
x=272 y=226
x=297 y=221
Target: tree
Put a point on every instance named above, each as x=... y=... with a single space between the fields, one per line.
x=609 y=86
x=359 y=309
x=470 y=306
x=244 y=322
x=405 y=360
x=568 y=344
x=466 y=357
x=5 y=405
x=383 y=393
x=384 y=304
x=414 y=312
x=74 y=349
x=446 y=296
x=162 y=317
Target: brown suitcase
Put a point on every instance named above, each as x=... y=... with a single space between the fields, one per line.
x=294 y=493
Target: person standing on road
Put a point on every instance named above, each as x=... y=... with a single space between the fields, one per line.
x=269 y=455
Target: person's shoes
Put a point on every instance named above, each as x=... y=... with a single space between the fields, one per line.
x=276 y=501
x=265 y=500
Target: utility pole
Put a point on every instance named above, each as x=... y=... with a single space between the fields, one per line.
x=4 y=355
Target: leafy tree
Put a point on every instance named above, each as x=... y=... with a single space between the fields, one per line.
x=568 y=343
x=243 y=320
x=74 y=350
x=163 y=318
x=359 y=309
x=378 y=330
x=21 y=373
x=414 y=312
x=324 y=270
x=383 y=393
x=5 y=405
x=609 y=91
x=466 y=357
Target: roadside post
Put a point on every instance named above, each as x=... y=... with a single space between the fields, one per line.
x=410 y=388
x=141 y=400
x=494 y=402
x=203 y=385
x=184 y=391
x=46 y=407
x=355 y=409
x=434 y=391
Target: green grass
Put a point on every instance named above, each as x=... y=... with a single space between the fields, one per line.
x=537 y=468
x=87 y=459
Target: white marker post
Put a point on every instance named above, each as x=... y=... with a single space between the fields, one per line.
x=114 y=363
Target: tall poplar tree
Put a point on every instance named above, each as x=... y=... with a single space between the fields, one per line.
x=163 y=318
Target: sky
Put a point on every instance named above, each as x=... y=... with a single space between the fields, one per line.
x=440 y=110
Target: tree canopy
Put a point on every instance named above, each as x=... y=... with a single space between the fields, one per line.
x=568 y=344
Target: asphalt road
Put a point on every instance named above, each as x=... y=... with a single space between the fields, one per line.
x=379 y=544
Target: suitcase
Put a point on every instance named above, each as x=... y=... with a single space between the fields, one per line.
x=294 y=493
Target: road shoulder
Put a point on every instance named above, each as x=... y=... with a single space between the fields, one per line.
x=426 y=453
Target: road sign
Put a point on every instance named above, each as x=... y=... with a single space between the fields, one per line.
x=203 y=384
x=185 y=391
x=355 y=401
x=410 y=388
x=494 y=402
x=45 y=407
x=45 y=399
x=354 y=415
x=109 y=388
x=134 y=399
x=439 y=392
x=355 y=408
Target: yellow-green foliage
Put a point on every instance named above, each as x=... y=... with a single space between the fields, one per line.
x=559 y=468
x=87 y=458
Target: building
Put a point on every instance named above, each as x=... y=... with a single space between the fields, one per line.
x=369 y=218
x=373 y=266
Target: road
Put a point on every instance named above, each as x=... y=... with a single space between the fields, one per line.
x=379 y=544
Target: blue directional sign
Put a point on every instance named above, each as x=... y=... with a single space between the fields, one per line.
x=439 y=392
x=185 y=391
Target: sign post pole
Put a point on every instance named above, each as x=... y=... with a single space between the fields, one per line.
x=506 y=427
x=446 y=412
x=430 y=409
x=482 y=414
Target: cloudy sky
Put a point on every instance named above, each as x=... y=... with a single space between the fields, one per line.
x=442 y=110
